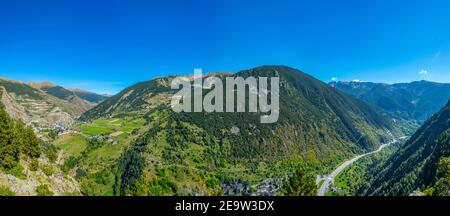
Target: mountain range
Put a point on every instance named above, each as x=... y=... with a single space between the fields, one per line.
x=415 y=101
x=414 y=166
x=133 y=143
x=43 y=103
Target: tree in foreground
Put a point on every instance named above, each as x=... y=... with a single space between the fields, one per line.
x=442 y=185
x=15 y=140
x=301 y=183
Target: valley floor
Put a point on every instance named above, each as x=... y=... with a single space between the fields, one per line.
x=324 y=182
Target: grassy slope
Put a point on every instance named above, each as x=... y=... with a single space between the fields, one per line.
x=73 y=144
x=94 y=166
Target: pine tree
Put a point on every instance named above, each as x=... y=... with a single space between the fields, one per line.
x=30 y=143
x=301 y=183
x=15 y=139
x=442 y=186
x=8 y=154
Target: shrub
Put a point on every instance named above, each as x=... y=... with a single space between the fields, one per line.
x=80 y=173
x=4 y=191
x=52 y=156
x=44 y=190
x=48 y=170
x=163 y=187
x=70 y=163
x=17 y=171
x=34 y=164
x=213 y=182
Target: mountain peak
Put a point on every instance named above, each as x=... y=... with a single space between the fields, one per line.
x=39 y=85
x=10 y=80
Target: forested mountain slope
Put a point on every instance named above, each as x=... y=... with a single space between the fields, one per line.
x=414 y=166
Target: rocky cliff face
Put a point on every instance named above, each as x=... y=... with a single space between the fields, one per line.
x=12 y=108
x=31 y=104
x=58 y=182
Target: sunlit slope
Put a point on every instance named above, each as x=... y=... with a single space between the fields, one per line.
x=32 y=105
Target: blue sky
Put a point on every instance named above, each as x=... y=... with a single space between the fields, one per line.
x=105 y=46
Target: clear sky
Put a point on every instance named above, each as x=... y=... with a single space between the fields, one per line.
x=105 y=46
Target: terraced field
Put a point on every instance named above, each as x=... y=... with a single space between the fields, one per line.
x=91 y=152
x=115 y=126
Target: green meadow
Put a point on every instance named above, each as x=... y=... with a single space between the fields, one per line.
x=104 y=126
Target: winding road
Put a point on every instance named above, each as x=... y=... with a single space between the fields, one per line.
x=327 y=180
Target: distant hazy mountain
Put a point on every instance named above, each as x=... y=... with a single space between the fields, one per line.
x=41 y=103
x=71 y=97
x=410 y=101
x=414 y=165
x=66 y=94
x=90 y=96
x=317 y=123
